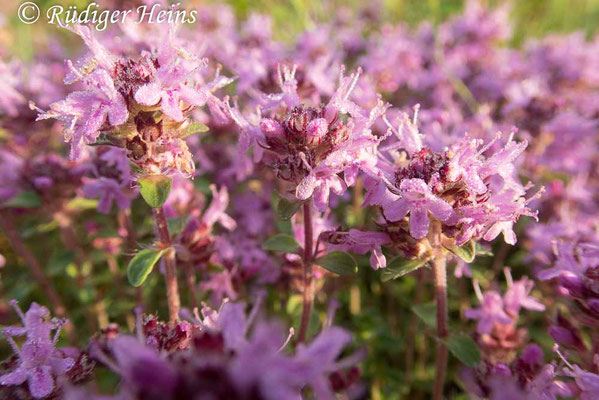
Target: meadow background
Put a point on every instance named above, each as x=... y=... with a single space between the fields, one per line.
x=381 y=317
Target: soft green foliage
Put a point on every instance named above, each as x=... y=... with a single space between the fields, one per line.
x=464 y=348
x=287 y=209
x=338 y=262
x=23 y=200
x=399 y=267
x=142 y=265
x=532 y=18
x=155 y=189
x=282 y=242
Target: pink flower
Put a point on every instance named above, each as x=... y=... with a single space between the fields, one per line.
x=418 y=200
x=490 y=312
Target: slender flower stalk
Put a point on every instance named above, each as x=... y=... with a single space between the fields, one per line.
x=170 y=266
x=307 y=294
x=440 y=277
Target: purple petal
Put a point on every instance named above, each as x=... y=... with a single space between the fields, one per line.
x=170 y=105
x=306 y=187
x=193 y=96
x=396 y=210
x=41 y=383
x=61 y=365
x=419 y=222
x=149 y=94
x=439 y=208
x=16 y=377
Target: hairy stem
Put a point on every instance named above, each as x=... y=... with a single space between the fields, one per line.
x=307 y=294
x=170 y=267
x=440 y=275
x=36 y=270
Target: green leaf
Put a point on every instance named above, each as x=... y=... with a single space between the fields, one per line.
x=176 y=225
x=59 y=261
x=283 y=226
x=82 y=203
x=338 y=262
x=427 y=312
x=142 y=264
x=193 y=128
x=466 y=252
x=482 y=251
x=464 y=349
x=287 y=209
x=155 y=189
x=26 y=199
x=110 y=139
x=399 y=267
x=281 y=242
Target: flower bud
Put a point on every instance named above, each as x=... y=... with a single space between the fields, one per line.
x=565 y=334
x=316 y=130
x=573 y=284
x=271 y=128
x=594 y=305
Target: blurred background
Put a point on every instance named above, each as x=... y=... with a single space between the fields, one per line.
x=376 y=321
x=531 y=18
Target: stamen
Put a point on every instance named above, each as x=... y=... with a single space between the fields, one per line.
x=11 y=341
x=58 y=323
x=15 y=305
x=254 y=311
x=331 y=310
x=291 y=333
x=508 y=276
x=485 y=148
x=559 y=353
x=479 y=293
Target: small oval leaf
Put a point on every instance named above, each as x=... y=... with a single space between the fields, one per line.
x=287 y=209
x=464 y=349
x=482 y=250
x=399 y=267
x=281 y=242
x=427 y=312
x=26 y=199
x=466 y=252
x=193 y=128
x=142 y=264
x=155 y=189
x=338 y=262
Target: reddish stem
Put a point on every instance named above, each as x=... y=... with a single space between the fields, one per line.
x=440 y=275
x=307 y=293
x=170 y=266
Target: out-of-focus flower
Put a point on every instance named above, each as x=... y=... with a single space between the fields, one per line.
x=39 y=360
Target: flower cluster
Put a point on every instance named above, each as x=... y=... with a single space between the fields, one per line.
x=140 y=103
x=223 y=354
x=356 y=141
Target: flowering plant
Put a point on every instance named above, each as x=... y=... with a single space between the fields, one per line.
x=320 y=211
